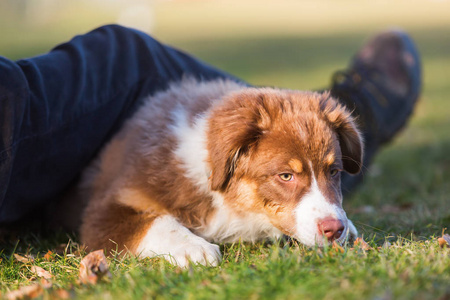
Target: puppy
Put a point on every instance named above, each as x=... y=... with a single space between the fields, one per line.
x=213 y=162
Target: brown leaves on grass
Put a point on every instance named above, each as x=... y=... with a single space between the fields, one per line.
x=30 y=291
x=49 y=256
x=40 y=272
x=61 y=294
x=93 y=267
x=337 y=247
x=23 y=259
x=37 y=288
x=360 y=243
x=444 y=241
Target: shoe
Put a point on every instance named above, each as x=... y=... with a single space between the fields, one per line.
x=380 y=87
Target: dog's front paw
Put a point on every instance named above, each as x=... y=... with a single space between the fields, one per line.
x=197 y=251
x=169 y=239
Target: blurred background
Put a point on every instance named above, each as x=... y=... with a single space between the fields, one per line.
x=288 y=43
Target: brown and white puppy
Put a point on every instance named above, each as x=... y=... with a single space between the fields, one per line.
x=217 y=162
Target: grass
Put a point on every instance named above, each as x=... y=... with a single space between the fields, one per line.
x=404 y=199
x=407 y=269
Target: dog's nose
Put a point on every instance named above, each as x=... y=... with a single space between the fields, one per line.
x=331 y=228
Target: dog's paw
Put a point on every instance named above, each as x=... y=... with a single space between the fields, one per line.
x=196 y=251
x=169 y=239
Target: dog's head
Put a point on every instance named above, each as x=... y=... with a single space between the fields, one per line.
x=281 y=153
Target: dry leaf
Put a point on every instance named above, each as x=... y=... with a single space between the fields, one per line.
x=444 y=241
x=61 y=294
x=359 y=242
x=41 y=272
x=29 y=291
x=93 y=267
x=23 y=259
x=337 y=247
x=26 y=292
x=48 y=256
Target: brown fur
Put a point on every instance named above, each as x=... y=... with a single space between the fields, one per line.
x=263 y=131
x=252 y=135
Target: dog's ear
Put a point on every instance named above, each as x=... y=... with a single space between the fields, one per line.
x=234 y=128
x=350 y=139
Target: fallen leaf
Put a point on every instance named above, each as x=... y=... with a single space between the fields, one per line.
x=444 y=241
x=23 y=259
x=62 y=294
x=337 y=247
x=30 y=291
x=93 y=267
x=49 y=256
x=25 y=292
x=45 y=283
x=40 y=272
x=359 y=242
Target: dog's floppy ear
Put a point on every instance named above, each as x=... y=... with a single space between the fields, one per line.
x=350 y=139
x=234 y=128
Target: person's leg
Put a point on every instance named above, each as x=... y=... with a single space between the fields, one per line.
x=59 y=108
x=381 y=87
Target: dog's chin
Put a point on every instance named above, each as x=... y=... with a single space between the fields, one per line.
x=320 y=242
x=310 y=239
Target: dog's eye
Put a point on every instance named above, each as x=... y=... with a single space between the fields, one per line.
x=334 y=172
x=286 y=176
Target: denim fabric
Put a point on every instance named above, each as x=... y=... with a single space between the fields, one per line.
x=58 y=109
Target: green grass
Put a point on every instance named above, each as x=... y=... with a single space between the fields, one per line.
x=404 y=199
x=405 y=270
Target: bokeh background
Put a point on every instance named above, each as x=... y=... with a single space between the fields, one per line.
x=294 y=44
x=278 y=42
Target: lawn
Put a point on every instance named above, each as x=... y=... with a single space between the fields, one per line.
x=400 y=210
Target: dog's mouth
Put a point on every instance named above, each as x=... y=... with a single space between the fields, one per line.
x=346 y=236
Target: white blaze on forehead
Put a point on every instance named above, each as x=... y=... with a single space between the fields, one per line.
x=313 y=207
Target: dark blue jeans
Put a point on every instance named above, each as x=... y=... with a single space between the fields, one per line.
x=58 y=109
